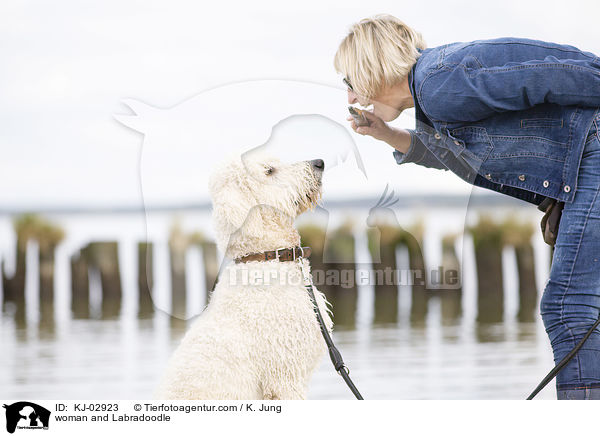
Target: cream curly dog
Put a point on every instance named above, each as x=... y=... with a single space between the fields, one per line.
x=258 y=338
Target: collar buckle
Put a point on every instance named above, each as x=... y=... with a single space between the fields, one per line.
x=277 y=255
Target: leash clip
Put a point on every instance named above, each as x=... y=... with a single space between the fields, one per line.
x=294 y=253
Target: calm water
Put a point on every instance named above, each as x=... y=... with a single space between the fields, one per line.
x=87 y=359
x=124 y=358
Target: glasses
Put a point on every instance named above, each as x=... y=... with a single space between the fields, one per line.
x=347 y=83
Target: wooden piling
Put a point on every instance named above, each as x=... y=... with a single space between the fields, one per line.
x=488 y=242
x=104 y=257
x=341 y=269
x=178 y=244
x=80 y=286
x=413 y=240
x=450 y=291
x=519 y=236
x=6 y=288
x=48 y=236
x=145 y=279
x=382 y=240
x=25 y=227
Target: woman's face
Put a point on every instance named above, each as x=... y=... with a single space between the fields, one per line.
x=389 y=103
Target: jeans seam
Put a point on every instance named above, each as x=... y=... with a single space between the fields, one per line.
x=576 y=358
x=596 y=135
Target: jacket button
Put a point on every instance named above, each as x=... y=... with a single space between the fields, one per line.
x=488 y=176
x=546 y=183
x=522 y=177
x=437 y=136
x=567 y=188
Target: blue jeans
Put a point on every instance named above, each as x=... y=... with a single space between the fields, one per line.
x=571 y=301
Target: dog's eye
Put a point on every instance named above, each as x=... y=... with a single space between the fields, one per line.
x=269 y=170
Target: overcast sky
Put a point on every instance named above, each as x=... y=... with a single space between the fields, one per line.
x=67 y=65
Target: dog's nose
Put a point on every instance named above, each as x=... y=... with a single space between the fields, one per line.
x=318 y=164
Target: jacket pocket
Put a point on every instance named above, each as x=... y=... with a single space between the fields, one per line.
x=472 y=141
x=541 y=123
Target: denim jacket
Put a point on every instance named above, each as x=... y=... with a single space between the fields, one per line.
x=507 y=114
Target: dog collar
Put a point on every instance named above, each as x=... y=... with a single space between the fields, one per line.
x=281 y=254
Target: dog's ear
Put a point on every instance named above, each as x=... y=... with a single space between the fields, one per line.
x=230 y=208
x=231 y=205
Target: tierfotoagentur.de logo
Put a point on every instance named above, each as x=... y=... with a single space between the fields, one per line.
x=26 y=415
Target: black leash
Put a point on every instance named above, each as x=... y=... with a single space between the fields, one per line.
x=560 y=365
x=334 y=354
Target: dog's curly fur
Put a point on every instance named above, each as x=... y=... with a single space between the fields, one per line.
x=254 y=341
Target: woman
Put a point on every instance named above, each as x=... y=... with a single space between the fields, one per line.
x=514 y=115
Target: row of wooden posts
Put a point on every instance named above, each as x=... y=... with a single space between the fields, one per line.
x=489 y=239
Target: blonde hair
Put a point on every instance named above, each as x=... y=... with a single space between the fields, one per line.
x=377 y=52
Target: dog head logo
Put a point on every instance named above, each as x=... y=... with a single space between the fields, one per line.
x=26 y=415
x=292 y=122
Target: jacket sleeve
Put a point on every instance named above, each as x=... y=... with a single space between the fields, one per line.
x=419 y=154
x=468 y=92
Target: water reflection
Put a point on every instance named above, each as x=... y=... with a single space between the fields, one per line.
x=124 y=358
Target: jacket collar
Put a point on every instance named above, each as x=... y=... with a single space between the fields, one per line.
x=419 y=115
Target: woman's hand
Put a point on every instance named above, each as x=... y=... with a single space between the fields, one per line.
x=377 y=128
